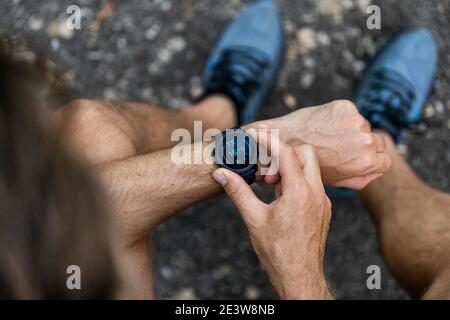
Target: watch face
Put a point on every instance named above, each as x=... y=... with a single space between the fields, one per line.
x=236 y=151
x=236 y=155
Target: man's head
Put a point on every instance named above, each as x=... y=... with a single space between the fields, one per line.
x=52 y=215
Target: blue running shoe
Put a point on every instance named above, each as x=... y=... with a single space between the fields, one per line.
x=244 y=63
x=395 y=86
x=397 y=83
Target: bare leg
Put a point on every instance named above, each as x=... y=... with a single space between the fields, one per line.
x=103 y=131
x=413 y=222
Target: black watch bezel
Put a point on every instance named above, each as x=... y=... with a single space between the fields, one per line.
x=251 y=168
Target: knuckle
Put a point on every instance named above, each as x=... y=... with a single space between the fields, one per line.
x=87 y=109
x=328 y=214
x=322 y=200
x=367 y=161
x=328 y=204
x=82 y=103
x=347 y=105
x=360 y=183
x=307 y=149
x=290 y=152
x=388 y=163
x=368 y=139
x=360 y=122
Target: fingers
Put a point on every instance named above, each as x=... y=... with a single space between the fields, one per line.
x=239 y=192
x=380 y=142
x=367 y=164
x=384 y=162
x=277 y=191
x=273 y=179
x=311 y=167
x=358 y=183
x=283 y=158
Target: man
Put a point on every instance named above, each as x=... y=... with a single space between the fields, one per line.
x=127 y=147
x=127 y=143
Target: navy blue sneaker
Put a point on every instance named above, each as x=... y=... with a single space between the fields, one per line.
x=396 y=84
x=244 y=63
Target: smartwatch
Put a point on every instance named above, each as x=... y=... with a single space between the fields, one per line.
x=237 y=151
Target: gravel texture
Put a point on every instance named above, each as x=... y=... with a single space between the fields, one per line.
x=154 y=50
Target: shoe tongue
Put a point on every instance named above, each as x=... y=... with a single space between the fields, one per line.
x=238 y=73
x=387 y=104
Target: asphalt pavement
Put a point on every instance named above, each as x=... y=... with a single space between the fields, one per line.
x=154 y=50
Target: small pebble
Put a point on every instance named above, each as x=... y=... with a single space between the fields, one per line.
x=55 y=44
x=146 y=94
x=292 y=53
x=222 y=271
x=307 y=80
x=289 y=27
x=309 y=62
x=439 y=107
x=122 y=43
x=429 y=111
x=333 y=9
x=363 y=4
x=166 y=6
x=307 y=39
x=402 y=149
x=109 y=94
x=165 y=55
x=58 y=29
x=358 y=66
x=154 y=68
x=166 y=272
x=180 y=26
x=290 y=101
x=176 y=44
x=421 y=128
x=35 y=23
x=323 y=39
x=185 y=294
x=152 y=32
x=196 y=91
x=251 y=293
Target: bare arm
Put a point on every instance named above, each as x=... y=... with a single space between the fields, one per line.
x=149 y=189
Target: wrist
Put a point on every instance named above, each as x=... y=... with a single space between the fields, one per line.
x=292 y=127
x=305 y=288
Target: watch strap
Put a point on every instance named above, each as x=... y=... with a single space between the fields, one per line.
x=249 y=176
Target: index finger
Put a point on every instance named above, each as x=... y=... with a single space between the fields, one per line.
x=284 y=159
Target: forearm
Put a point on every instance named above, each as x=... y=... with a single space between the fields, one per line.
x=149 y=189
x=303 y=288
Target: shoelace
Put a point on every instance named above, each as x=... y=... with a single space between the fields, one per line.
x=239 y=73
x=388 y=102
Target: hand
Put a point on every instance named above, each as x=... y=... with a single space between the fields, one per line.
x=288 y=235
x=350 y=155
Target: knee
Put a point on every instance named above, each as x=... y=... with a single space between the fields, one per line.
x=440 y=287
x=81 y=112
x=95 y=130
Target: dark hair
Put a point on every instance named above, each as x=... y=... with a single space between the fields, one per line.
x=52 y=214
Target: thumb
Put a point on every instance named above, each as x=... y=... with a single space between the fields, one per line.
x=238 y=191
